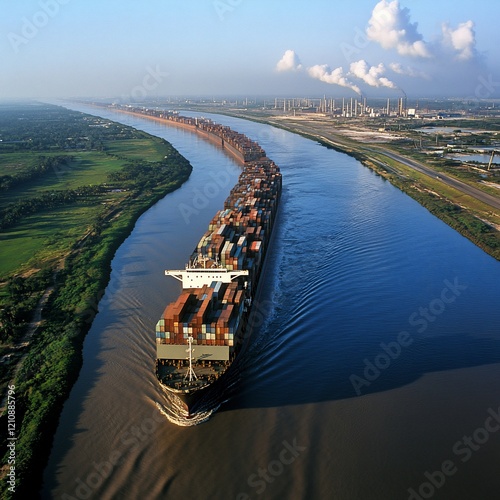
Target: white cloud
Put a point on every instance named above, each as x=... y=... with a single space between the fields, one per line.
x=289 y=62
x=372 y=75
x=390 y=26
x=451 y=57
x=462 y=40
x=336 y=77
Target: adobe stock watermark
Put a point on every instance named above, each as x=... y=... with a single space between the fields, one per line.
x=201 y=198
x=268 y=134
x=260 y=313
x=12 y=431
x=464 y=449
x=222 y=7
x=152 y=78
x=32 y=26
x=486 y=87
x=86 y=487
x=420 y=320
x=104 y=297
x=265 y=476
x=360 y=39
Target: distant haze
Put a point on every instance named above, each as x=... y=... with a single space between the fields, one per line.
x=128 y=49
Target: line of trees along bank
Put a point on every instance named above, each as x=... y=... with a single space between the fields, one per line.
x=15 y=212
x=44 y=165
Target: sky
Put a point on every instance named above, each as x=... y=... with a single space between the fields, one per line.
x=133 y=49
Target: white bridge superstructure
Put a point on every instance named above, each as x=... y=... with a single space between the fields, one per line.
x=197 y=277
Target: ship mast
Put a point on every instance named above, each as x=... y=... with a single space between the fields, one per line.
x=191 y=375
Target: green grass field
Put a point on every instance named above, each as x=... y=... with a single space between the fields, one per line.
x=88 y=168
x=50 y=234
x=43 y=237
x=138 y=149
x=15 y=163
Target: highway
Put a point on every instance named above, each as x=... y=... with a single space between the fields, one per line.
x=319 y=132
x=477 y=193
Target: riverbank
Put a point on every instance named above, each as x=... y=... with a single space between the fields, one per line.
x=473 y=218
x=142 y=169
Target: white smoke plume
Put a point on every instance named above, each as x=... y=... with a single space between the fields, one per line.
x=336 y=77
x=289 y=62
x=462 y=40
x=390 y=26
x=372 y=75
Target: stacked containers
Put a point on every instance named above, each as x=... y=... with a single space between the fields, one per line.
x=208 y=314
x=236 y=239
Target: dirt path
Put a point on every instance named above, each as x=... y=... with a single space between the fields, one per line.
x=19 y=348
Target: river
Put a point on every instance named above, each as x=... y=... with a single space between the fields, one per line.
x=374 y=375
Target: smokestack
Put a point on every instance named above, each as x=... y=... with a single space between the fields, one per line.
x=402 y=107
x=388 y=107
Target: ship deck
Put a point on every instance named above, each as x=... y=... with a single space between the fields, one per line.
x=175 y=374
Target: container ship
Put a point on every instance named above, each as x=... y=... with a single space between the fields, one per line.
x=201 y=334
x=238 y=145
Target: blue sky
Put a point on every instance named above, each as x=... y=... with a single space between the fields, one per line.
x=121 y=48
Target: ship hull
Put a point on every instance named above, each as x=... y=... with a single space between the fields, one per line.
x=213 y=395
x=213 y=316
x=209 y=397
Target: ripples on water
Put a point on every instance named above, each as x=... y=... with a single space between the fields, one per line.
x=352 y=260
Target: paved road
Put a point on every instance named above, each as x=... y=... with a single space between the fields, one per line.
x=477 y=193
x=493 y=201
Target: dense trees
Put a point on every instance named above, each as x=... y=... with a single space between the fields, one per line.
x=22 y=295
x=38 y=126
x=24 y=207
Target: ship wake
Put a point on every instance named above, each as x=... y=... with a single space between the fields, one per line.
x=176 y=414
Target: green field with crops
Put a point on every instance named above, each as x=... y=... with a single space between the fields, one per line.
x=52 y=231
